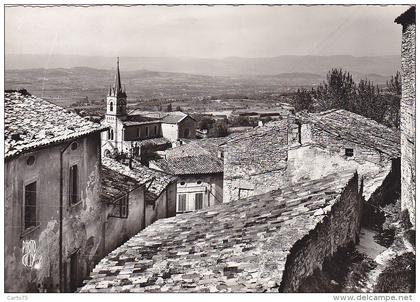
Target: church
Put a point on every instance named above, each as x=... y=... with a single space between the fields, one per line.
x=129 y=132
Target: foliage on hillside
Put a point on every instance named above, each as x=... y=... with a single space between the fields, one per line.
x=340 y=91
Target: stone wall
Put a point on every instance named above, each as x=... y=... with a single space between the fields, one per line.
x=32 y=255
x=119 y=230
x=335 y=145
x=340 y=227
x=408 y=120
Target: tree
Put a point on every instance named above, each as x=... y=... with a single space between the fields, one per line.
x=303 y=100
x=178 y=108
x=337 y=92
x=221 y=129
x=169 y=107
x=148 y=153
x=393 y=92
x=205 y=123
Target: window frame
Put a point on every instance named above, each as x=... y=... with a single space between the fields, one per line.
x=71 y=195
x=196 y=200
x=27 y=230
x=178 y=208
x=347 y=154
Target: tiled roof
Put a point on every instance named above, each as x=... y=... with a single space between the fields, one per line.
x=188 y=149
x=409 y=16
x=158 y=141
x=200 y=164
x=240 y=246
x=155 y=181
x=115 y=185
x=31 y=122
x=358 y=129
x=174 y=117
x=136 y=120
x=263 y=148
x=212 y=145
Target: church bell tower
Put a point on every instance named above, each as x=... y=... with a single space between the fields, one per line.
x=116 y=101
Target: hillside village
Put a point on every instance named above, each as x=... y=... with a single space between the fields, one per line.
x=146 y=202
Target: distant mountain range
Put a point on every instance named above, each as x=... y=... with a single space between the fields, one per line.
x=233 y=66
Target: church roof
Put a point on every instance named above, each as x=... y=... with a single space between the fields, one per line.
x=31 y=122
x=117 y=90
x=136 y=120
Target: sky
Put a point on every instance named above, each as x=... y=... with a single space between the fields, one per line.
x=204 y=31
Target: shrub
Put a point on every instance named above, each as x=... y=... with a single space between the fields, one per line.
x=399 y=276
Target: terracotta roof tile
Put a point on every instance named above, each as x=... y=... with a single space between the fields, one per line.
x=31 y=122
x=199 y=164
x=240 y=246
x=115 y=185
x=358 y=129
x=155 y=181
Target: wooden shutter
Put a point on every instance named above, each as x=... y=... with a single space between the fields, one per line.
x=30 y=205
x=198 y=201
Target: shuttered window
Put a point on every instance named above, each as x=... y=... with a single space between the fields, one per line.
x=74 y=194
x=182 y=202
x=198 y=201
x=30 y=205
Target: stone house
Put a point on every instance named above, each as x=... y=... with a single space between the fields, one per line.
x=255 y=161
x=65 y=206
x=308 y=146
x=200 y=176
x=264 y=243
x=408 y=111
x=129 y=132
x=54 y=217
x=151 y=197
x=178 y=125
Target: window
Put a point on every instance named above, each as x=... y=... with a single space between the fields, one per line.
x=182 y=183
x=138 y=132
x=349 y=152
x=147 y=131
x=30 y=206
x=156 y=132
x=31 y=160
x=74 y=185
x=198 y=201
x=111 y=106
x=120 y=207
x=110 y=134
x=186 y=133
x=124 y=207
x=182 y=202
x=199 y=182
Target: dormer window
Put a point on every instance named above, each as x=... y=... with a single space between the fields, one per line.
x=111 y=106
x=349 y=152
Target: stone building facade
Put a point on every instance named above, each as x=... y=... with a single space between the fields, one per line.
x=408 y=111
x=200 y=180
x=255 y=161
x=308 y=146
x=54 y=217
